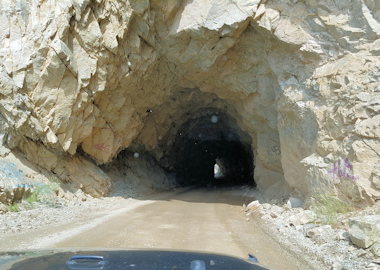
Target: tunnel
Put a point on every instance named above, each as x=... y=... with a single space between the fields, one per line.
x=189 y=113
x=201 y=141
x=184 y=139
x=188 y=150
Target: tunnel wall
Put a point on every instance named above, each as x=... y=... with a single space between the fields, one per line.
x=88 y=79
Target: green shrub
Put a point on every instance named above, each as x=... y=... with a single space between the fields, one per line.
x=334 y=202
x=329 y=208
x=33 y=198
x=42 y=193
x=13 y=207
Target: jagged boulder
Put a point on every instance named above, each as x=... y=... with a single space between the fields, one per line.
x=364 y=231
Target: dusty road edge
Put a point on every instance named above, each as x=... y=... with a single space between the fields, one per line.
x=55 y=238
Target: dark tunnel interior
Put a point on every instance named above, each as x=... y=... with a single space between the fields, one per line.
x=201 y=141
x=196 y=161
x=194 y=149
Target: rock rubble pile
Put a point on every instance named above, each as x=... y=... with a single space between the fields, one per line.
x=351 y=244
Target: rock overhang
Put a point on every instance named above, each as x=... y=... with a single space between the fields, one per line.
x=276 y=68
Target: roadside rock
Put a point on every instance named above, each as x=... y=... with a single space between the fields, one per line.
x=274 y=215
x=254 y=205
x=375 y=249
x=277 y=209
x=321 y=245
x=321 y=234
x=266 y=206
x=302 y=218
x=294 y=202
x=314 y=232
x=364 y=231
x=3 y=208
x=342 y=235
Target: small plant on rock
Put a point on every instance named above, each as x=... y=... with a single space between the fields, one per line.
x=13 y=207
x=43 y=193
x=329 y=208
x=334 y=202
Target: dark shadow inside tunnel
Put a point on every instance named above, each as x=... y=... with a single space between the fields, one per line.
x=196 y=161
x=202 y=142
x=190 y=154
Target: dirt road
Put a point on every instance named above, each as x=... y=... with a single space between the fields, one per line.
x=201 y=220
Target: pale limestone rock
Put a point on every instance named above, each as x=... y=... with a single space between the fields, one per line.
x=66 y=55
x=302 y=218
x=295 y=202
x=375 y=8
x=3 y=207
x=376 y=180
x=274 y=215
x=342 y=235
x=372 y=19
x=375 y=48
x=277 y=209
x=3 y=149
x=375 y=249
x=270 y=19
x=254 y=205
x=39 y=154
x=85 y=175
x=318 y=231
x=7 y=85
x=364 y=231
x=369 y=128
x=101 y=143
x=213 y=15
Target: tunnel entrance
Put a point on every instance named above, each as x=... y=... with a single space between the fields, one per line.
x=187 y=154
x=196 y=162
x=205 y=140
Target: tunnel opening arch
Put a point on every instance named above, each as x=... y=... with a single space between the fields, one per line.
x=182 y=139
x=210 y=136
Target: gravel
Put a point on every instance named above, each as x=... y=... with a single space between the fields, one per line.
x=44 y=214
x=317 y=245
x=58 y=210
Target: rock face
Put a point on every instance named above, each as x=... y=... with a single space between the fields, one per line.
x=364 y=231
x=83 y=80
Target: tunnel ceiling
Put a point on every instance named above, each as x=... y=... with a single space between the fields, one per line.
x=105 y=76
x=188 y=114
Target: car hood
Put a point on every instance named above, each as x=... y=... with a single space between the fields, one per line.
x=135 y=259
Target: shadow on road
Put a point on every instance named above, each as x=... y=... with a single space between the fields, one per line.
x=224 y=195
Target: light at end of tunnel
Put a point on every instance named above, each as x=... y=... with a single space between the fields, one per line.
x=214 y=119
x=136 y=155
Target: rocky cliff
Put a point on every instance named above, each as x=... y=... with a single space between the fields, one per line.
x=83 y=80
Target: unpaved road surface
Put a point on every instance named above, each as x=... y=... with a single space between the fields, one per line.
x=198 y=220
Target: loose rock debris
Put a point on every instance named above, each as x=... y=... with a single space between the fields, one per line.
x=350 y=247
